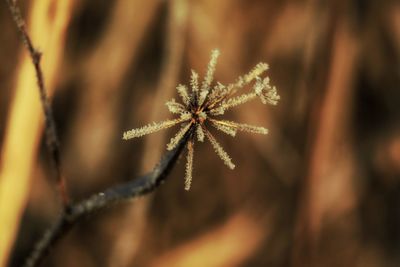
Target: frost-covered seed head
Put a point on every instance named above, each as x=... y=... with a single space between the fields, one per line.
x=203 y=103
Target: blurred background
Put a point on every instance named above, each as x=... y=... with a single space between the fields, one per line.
x=322 y=189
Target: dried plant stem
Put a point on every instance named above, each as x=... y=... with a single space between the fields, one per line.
x=50 y=129
x=48 y=21
x=74 y=213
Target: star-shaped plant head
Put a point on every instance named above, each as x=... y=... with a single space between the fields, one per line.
x=203 y=105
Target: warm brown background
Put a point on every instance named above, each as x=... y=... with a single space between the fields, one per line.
x=322 y=189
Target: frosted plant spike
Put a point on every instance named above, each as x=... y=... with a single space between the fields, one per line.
x=255 y=72
x=241 y=126
x=270 y=96
x=189 y=165
x=174 y=107
x=267 y=93
x=183 y=92
x=242 y=81
x=208 y=78
x=199 y=133
x=219 y=150
x=233 y=102
x=194 y=83
x=151 y=128
x=228 y=129
x=179 y=135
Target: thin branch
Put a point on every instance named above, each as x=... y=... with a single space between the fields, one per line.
x=74 y=213
x=50 y=129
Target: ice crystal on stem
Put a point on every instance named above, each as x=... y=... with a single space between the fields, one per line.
x=203 y=103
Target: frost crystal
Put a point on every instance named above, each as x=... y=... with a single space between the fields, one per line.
x=204 y=102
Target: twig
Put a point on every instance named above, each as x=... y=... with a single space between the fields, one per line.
x=50 y=129
x=75 y=212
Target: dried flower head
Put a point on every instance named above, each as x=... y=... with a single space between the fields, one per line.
x=204 y=103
